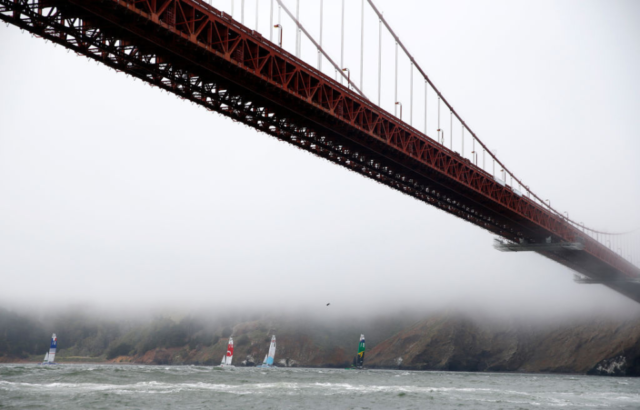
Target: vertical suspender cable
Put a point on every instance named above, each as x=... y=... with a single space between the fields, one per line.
x=494 y=165
x=473 y=151
x=298 y=29
x=362 y=45
x=425 y=106
x=271 y=22
x=438 y=117
x=319 y=53
x=342 y=41
x=395 y=96
x=257 y=14
x=379 y=60
x=451 y=130
x=242 y=11
x=411 y=97
x=232 y=7
x=463 y=141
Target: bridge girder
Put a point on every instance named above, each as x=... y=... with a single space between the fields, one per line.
x=190 y=49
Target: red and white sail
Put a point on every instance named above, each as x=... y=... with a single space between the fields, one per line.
x=226 y=359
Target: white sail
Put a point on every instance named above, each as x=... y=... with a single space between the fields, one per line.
x=52 y=348
x=265 y=359
x=46 y=358
x=272 y=350
x=229 y=355
x=224 y=360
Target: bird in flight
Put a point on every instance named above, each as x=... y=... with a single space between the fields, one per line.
x=328 y=304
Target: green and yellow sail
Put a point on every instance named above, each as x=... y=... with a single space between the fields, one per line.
x=360 y=357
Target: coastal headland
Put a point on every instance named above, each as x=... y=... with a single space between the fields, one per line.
x=445 y=340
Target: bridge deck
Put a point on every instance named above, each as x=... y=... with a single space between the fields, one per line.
x=201 y=54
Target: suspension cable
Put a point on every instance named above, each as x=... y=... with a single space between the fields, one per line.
x=464 y=125
x=315 y=43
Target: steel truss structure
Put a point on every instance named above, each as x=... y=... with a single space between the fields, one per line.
x=190 y=49
x=535 y=247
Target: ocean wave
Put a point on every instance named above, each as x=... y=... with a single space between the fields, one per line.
x=188 y=381
x=152 y=386
x=156 y=386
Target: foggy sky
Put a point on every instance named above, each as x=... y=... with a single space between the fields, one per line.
x=118 y=195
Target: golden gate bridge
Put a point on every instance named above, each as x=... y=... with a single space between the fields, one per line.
x=203 y=54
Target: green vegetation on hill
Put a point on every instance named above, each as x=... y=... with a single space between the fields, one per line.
x=83 y=336
x=192 y=339
x=445 y=341
x=21 y=336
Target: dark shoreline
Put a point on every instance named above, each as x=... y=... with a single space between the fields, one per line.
x=111 y=363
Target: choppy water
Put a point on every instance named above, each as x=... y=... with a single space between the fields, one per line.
x=200 y=387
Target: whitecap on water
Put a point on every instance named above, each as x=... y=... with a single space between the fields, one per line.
x=335 y=388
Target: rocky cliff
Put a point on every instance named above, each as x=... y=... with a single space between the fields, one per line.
x=444 y=341
x=300 y=342
x=454 y=342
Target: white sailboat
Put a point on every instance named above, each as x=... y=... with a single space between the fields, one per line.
x=51 y=354
x=226 y=359
x=268 y=359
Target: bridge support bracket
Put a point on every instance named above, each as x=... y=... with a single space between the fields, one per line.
x=583 y=280
x=505 y=246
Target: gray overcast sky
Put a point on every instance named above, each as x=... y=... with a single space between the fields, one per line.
x=116 y=194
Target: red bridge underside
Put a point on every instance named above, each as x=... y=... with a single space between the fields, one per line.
x=201 y=54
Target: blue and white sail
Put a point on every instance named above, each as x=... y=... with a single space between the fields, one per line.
x=52 y=348
x=272 y=351
x=49 y=358
x=268 y=359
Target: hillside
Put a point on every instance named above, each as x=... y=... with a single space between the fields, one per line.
x=445 y=341
x=454 y=342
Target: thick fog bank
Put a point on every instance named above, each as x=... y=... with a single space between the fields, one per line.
x=439 y=340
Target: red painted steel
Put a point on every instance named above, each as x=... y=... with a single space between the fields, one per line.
x=199 y=53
